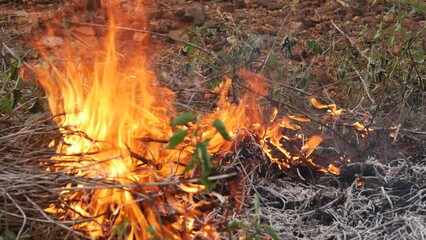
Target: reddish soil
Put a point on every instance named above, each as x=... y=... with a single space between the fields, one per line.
x=303 y=45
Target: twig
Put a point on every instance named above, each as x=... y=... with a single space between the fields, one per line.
x=148 y=184
x=55 y=222
x=141 y=158
x=387 y=196
x=275 y=40
x=71 y=222
x=150 y=139
x=9 y=50
x=23 y=215
x=353 y=44
x=365 y=85
x=147 y=32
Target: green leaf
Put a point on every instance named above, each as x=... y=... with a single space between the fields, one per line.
x=177 y=138
x=204 y=157
x=10 y=235
x=391 y=41
x=191 y=162
x=154 y=234
x=236 y=225
x=256 y=204
x=271 y=232
x=220 y=127
x=310 y=44
x=206 y=163
x=6 y=104
x=314 y=46
x=151 y=229
x=183 y=119
x=257 y=227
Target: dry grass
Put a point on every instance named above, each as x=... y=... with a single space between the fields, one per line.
x=391 y=204
x=26 y=188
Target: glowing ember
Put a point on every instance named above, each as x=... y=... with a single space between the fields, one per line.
x=107 y=109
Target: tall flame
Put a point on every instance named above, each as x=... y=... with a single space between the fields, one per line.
x=106 y=105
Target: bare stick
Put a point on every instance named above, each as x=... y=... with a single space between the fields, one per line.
x=353 y=44
x=365 y=85
x=23 y=215
x=57 y=223
x=147 y=32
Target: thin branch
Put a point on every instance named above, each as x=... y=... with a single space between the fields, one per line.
x=353 y=44
x=147 y=32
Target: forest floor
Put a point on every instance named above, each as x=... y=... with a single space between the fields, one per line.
x=367 y=57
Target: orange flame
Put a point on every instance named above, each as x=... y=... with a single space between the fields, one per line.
x=311 y=144
x=106 y=107
x=331 y=108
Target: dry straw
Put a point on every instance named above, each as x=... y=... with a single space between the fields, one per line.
x=391 y=203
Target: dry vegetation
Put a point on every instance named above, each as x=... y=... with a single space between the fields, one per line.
x=372 y=66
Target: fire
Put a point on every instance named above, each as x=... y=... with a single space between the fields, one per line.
x=110 y=106
x=331 y=108
x=104 y=106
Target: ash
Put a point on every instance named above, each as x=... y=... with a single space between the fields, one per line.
x=367 y=200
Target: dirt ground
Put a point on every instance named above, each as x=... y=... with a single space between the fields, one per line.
x=337 y=51
x=364 y=56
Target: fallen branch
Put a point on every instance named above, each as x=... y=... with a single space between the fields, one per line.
x=147 y=32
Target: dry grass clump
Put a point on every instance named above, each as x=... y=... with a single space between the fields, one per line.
x=25 y=187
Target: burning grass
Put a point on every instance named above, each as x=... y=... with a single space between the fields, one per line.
x=120 y=170
x=26 y=187
x=388 y=204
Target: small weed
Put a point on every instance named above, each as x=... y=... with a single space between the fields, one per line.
x=201 y=159
x=254 y=231
x=14 y=92
x=120 y=232
x=417 y=5
x=8 y=235
x=314 y=46
x=11 y=85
